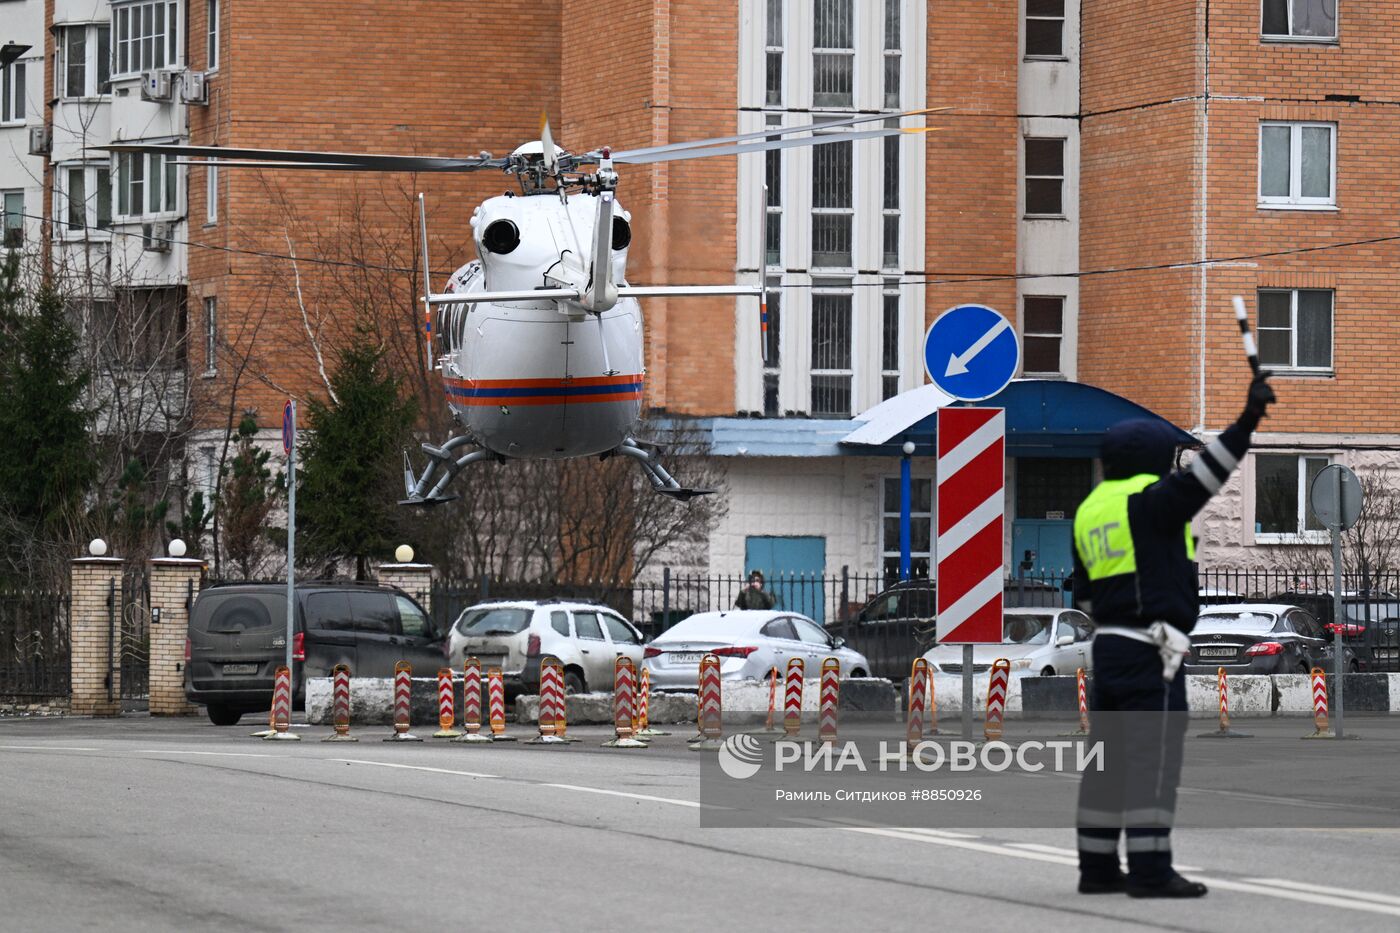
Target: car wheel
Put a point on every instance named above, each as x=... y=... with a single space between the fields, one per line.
x=1048 y=672
x=224 y=715
x=573 y=682
x=859 y=673
x=1303 y=668
x=1354 y=667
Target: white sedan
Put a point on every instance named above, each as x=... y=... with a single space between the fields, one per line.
x=749 y=644
x=1035 y=641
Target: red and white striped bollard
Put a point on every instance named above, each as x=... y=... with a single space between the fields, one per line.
x=709 y=719
x=1224 y=732
x=447 y=713
x=830 y=698
x=282 y=707
x=644 y=727
x=1322 y=727
x=996 y=700
x=918 y=697
x=403 y=704
x=340 y=705
x=624 y=690
x=551 y=703
x=792 y=698
x=496 y=700
x=471 y=704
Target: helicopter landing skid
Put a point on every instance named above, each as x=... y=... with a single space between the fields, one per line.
x=661 y=481
x=440 y=460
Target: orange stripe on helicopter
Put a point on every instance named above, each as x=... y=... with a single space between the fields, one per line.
x=473 y=392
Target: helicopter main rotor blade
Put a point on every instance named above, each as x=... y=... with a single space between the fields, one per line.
x=344 y=161
x=769 y=132
x=821 y=140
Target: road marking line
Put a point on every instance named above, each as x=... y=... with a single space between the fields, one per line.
x=1294 y=895
x=389 y=764
x=47 y=748
x=1061 y=850
x=177 y=751
x=986 y=847
x=618 y=793
x=939 y=833
x=1324 y=889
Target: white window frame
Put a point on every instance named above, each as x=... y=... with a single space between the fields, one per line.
x=13 y=81
x=888 y=549
x=1291 y=37
x=1293 y=200
x=122 y=206
x=890 y=290
x=850 y=53
x=773 y=46
x=211 y=9
x=1303 y=534
x=1026 y=176
x=1292 y=365
x=1062 y=19
x=1059 y=370
x=893 y=55
x=92 y=182
x=133 y=54
x=848 y=212
x=211 y=335
x=5 y=227
x=93 y=88
x=211 y=195
x=829 y=286
x=209 y=467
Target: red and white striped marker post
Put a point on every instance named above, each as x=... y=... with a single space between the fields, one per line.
x=447 y=713
x=792 y=698
x=471 y=704
x=770 y=727
x=624 y=690
x=644 y=729
x=709 y=719
x=1322 y=728
x=496 y=705
x=551 y=703
x=1224 y=732
x=403 y=704
x=340 y=705
x=918 y=698
x=830 y=701
x=1083 y=692
x=996 y=699
x=932 y=706
x=969 y=510
x=282 y=707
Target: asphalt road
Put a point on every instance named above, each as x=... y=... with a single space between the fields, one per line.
x=143 y=824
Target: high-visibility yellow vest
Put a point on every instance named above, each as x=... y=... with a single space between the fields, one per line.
x=1101 y=533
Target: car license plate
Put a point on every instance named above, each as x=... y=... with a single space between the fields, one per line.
x=240 y=668
x=1217 y=652
x=684 y=657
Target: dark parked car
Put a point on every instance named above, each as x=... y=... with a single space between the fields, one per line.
x=897 y=625
x=1370 y=626
x=1260 y=638
x=238 y=638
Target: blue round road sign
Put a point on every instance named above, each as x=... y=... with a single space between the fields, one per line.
x=971 y=352
x=289 y=427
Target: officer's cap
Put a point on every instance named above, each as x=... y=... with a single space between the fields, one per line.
x=1139 y=445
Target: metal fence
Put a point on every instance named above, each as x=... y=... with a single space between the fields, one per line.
x=34 y=644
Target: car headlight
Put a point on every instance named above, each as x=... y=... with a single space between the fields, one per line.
x=1020 y=664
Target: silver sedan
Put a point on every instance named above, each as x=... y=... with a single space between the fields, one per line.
x=1035 y=641
x=749 y=644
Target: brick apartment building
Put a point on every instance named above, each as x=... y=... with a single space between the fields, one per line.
x=1108 y=176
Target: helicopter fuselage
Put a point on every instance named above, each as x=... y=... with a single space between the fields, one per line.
x=542 y=379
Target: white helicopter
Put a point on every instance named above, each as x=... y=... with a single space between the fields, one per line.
x=539 y=340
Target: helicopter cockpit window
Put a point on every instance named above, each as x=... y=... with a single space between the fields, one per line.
x=502 y=237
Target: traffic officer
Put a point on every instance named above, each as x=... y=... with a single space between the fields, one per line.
x=1135 y=573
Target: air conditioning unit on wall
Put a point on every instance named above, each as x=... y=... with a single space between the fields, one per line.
x=194 y=88
x=155 y=237
x=155 y=86
x=39 y=140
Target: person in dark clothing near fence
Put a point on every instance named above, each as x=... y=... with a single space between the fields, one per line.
x=1135 y=573
x=753 y=596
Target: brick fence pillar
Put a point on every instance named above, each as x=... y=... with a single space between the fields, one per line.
x=95 y=635
x=414 y=579
x=174 y=585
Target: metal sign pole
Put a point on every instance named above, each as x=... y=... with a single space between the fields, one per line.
x=967 y=694
x=1339 y=726
x=289 y=441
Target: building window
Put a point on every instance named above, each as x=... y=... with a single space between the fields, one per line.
x=1297 y=164
x=148 y=328
x=211 y=194
x=147 y=184
x=831 y=348
x=920 y=526
x=772 y=366
x=890 y=327
x=889 y=212
x=148 y=36
x=1042 y=330
x=893 y=53
x=212 y=18
x=833 y=53
x=1295 y=328
x=832 y=205
x=1045 y=28
x=211 y=335
x=1045 y=177
x=83 y=61
x=12 y=93
x=209 y=467
x=1281 y=484
x=1299 y=19
x=773 y=183
x=1051 y=488
x=773 y=54
x=13 y=202
x=83 y=201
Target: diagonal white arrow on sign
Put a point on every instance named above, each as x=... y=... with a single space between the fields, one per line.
x=957 y=363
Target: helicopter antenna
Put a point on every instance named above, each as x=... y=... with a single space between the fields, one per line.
x=427 y=276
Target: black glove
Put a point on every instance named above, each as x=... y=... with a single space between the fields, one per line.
x=1256 y=406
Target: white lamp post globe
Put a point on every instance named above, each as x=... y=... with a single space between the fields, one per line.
x=403 y=554
x=97 y=547
x=177 y=548
x=908 y=448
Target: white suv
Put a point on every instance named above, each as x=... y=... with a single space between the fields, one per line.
x=514 y=634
